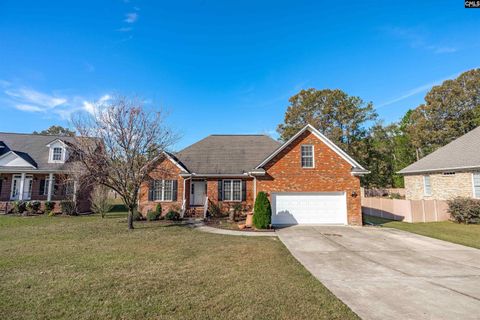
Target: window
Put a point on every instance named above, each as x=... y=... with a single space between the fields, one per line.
x=232 y=190
x=476 y=184
x=57 y=154
x=162 y=190
x=427 y=187
x=307 y=156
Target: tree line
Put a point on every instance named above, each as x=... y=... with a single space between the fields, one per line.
x=450 y=110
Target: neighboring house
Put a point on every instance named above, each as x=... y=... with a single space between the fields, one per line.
x=35 y=167
x=308 y=179
x=449 y=172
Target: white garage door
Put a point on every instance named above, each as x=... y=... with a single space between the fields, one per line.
x=309 y=208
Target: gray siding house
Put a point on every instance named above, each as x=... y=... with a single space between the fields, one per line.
x=449 y=172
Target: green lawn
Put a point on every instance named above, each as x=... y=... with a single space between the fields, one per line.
x=93 y=268
x=468 y=235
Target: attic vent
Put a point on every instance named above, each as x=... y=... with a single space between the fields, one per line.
x=449 y=173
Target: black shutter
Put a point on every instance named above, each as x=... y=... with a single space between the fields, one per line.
x=41 y=190
x=244 y=190
x=220 y=190
x=175 y=190
x=1 y=182
x=150 y=191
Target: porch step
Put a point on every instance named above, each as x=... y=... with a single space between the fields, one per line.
x=194 y=212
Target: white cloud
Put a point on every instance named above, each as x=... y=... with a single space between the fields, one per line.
x=35 y=97
x=30 y=100
x=131 y=17
x=92 y=107
x=125 y=29
x=417 y=90
x=28 y=107
x=418 y=39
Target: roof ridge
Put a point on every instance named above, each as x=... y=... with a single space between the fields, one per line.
x=239 y=134
x=36 y=134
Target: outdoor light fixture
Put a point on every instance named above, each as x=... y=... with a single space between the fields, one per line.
x=354 y=194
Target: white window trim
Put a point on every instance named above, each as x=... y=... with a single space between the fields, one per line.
x=425 y=186
x=473 y=184
x=231 y=190
x=313 y=156
x=163 y=192
x=50 y=156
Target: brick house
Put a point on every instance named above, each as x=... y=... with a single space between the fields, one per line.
x=449 y=172
x=308 y=179
x=35 y=167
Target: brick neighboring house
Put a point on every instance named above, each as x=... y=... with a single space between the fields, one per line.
x=308 y=179
x=449 y=172
x=35 y=167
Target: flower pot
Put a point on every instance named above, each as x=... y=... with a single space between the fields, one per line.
x=249 y=221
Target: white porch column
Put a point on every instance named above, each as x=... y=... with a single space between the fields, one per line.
x=254 y=189
x=50 y=186
x=22 y=186
x=75 y=186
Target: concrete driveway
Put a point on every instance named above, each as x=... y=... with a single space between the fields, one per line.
x=383 y=273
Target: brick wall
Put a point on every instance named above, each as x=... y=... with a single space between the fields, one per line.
x=331 y=173
x=283 y=174
x=166 y=170
x=444 y=187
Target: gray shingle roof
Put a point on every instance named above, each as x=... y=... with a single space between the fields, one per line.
x=32 y=148
x=461 y=153
x=226 y=154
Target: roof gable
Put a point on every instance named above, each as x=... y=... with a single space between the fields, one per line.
x=13 y=159
x=33 y=148
x=356 y=167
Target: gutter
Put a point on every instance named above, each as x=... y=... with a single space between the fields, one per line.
x=437 y=170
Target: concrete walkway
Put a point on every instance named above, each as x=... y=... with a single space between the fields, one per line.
x=383 y=273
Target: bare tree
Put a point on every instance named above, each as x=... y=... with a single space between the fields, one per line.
x=119 y=144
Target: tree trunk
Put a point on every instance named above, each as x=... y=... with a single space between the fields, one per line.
x=130 y=219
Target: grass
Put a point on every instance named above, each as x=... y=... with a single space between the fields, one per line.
x=91 y=268
x=468 y=235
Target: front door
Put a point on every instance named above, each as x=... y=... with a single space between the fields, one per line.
x=27 y=188
x=198 y=193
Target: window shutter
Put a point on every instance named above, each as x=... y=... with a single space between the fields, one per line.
x=244 y=190
x=175 y=190
x=150 y=191
x=220 y=190
x=41 y=190
x=1 y=182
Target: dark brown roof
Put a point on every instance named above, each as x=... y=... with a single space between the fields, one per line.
x=227 y=154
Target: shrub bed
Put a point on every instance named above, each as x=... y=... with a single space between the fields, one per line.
x=464 y=210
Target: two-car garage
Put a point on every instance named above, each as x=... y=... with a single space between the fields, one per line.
x=309 y=208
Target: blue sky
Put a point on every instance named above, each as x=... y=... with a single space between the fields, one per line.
x=224 y=66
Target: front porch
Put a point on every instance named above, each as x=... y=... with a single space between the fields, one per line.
x=42 y=187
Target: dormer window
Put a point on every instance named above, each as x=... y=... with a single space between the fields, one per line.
x=57 y=154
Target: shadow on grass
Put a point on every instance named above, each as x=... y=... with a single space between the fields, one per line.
x=160 y=224
x=374 y=221
x=118 y=208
